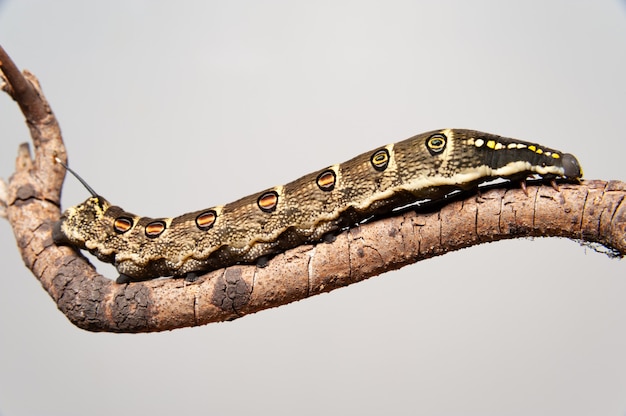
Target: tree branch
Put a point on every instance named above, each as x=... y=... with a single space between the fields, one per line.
x=591 y=212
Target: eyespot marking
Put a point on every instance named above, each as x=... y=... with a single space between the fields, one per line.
x=326 y=180
x=206 y=220
x=380 y=160
x=436 y=143
x=268 y=201
x=122 y=224
x=155 y=228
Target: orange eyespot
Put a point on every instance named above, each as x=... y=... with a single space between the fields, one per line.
x=206 y=220
x=436 y=143
x=380 y=160
x=154 y=229
x=268 y=201
x=122 y=224
x=326 y=180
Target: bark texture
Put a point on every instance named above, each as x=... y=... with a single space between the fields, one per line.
x=593 y=211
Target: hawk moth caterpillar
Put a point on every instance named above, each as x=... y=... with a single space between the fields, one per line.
x=258 y=226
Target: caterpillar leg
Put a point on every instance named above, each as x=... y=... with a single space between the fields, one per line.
x=522 y=185
x=329 y=237
x=262 y=261
x=122 y=278
x=191 y=277
x=555 y=186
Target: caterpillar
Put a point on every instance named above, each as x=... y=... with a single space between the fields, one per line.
x=427 y=166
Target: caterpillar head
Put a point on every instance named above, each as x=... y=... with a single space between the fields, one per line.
x=467 y=155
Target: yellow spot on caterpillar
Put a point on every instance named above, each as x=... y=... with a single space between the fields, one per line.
x=556 y=155
x=491 y=144
x=268 y=201
x=539 y=151
x=206 y=220
x=479 y=142
x=532 y=147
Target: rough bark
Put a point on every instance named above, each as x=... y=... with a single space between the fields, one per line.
x=593 y=211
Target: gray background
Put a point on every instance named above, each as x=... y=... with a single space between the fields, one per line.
x=168 y=107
